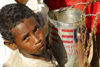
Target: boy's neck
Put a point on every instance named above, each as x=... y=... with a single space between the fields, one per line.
x=45 y=56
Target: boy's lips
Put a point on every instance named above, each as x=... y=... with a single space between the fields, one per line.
x=43 y=47
x=41 y=44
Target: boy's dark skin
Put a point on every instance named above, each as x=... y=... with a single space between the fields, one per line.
x=26 y=34
x=29 y=38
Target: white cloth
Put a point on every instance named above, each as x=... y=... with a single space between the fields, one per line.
x=18 y=60
x=4 y=52
x=4 y=2
x=37 y=6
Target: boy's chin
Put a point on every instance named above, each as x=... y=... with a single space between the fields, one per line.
x=39 y=52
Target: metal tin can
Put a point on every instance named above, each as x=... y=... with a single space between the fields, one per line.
x=63 y=27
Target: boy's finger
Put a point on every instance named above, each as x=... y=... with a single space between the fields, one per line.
x=90 y=34
x=80 y=51
x=78 y=36
x=79 y=44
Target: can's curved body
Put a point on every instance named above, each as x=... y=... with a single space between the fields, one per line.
x=63 y=29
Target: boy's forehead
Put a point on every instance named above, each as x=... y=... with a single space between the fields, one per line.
x=27 y=25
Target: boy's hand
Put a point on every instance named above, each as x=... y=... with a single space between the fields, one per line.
x=80 y=52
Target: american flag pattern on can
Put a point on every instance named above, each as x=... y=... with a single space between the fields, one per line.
x=67 y=35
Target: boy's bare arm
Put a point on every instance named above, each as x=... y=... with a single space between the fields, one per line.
x=22 y=1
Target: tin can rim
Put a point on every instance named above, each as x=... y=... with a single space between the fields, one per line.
x=59 y=23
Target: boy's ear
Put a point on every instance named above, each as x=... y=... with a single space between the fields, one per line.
x=10 y=45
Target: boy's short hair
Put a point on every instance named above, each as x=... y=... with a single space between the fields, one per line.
x=10 y=15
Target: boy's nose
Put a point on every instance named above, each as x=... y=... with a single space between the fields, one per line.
x=35 y=38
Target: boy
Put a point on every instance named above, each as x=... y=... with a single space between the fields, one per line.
x=22 y=33
x=35 y=5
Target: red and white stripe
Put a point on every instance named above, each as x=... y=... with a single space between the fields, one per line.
x=66 y=35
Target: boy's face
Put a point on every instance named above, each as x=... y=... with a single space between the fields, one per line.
x=29 y=37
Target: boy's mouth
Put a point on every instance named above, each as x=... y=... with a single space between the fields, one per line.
x=41 y=44
x=42 y=47
x=40 y=50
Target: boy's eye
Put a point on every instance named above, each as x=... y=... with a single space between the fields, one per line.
x=25 y=37
x=36 y=28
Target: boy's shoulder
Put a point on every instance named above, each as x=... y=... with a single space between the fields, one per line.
x=18 y=60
